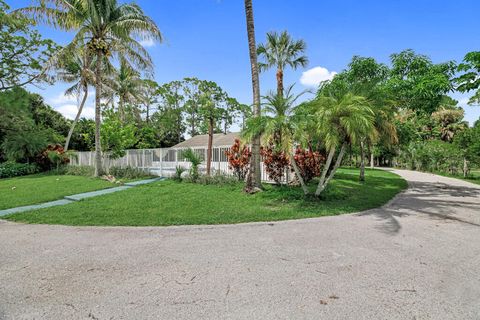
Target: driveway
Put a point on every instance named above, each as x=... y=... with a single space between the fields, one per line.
x=416 y=258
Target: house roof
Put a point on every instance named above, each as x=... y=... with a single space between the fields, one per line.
x=219 y=140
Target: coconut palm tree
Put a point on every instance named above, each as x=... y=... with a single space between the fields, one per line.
x=254 y=176
x=278 y=125
x=340 y=122
x=108 y=28
x=281 y=51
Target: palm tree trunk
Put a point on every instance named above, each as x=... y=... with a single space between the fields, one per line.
x=333 y=171
x=299 y=176
x=254 y=176
x=465 y=167
x=280 y=82
x=98 y=92
x=372 y=160
x=209 y=148
x=362 y=161
x=79 y=112
x=325 y=170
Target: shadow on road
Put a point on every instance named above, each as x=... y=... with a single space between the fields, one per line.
x=434 y=200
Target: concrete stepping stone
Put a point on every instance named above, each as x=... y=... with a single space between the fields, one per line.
x=35 y=207
x=140 y=182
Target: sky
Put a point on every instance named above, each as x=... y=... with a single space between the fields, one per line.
x=207 y=39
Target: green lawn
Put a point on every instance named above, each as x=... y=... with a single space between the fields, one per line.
x=171 y=203
x=474 y=176
x=38 y=188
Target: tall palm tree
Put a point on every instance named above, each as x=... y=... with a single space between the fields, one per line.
x=279 y=125
x=108 y=28
x=340 y=122
x=254 y=176
x=128 y=86
x=281 y=51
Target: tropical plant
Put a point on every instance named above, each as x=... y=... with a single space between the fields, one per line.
x=280 y=51
x=238 y=157
x=254 y=178
x=24 y=146
x=469 y=80
x=128 y=86
x=340 y=122
x=195 y=160
x=109 y=28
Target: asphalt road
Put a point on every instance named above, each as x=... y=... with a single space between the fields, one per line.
x=416 y=258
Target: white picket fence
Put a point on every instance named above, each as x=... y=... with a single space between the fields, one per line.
x=163 y=161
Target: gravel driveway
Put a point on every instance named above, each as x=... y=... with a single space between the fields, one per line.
x=416 y=258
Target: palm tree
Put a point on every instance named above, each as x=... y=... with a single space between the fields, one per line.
x=278 y=125
x=108 y=28
x=340 y=122
x=128 y=86
x=254 y=176
x=281 y=51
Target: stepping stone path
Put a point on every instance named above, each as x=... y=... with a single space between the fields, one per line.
x=77 y=197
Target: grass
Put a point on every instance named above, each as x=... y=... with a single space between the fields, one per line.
x=38 y=188
x=473 y=177
x=172 y=203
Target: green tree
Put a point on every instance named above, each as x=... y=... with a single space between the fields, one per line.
x=469 y=80
x=340 y=122
x=109 y=28
x=281 y=51
x=23 y=52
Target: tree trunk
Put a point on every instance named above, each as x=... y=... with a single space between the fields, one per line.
x=299 y=176
x=209 y=148
x=70 y=132
x=333 y=171
x=121 y=109
x=372 y=160
x=254 y=175
x=98 y=92
x=362 y=161
x=465 y=167
x=325 y=170
x=280 y=82
x=147 y=118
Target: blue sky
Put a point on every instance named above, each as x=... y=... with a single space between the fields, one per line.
x=207 y=38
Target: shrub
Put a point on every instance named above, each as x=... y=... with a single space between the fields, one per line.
x=86 y=171
x=217 y=179
x=239 y=159
x=195 y=161
x=52 y=157
x=309 y=163
x=12 y=169
x=178 y=173
x=127 y=173
x=275 y=163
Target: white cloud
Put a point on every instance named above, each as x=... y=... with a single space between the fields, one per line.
x=314 y=76
x=68 y=105
x=70 y=111
x=147 y=42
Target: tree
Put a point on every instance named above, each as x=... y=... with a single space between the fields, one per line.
x=117 y=134
x=281 y=51
x=110 y=28
x=470 y=79
x=340 y=122
x=23 y=52
x=277 y=127
x=254 y=176
x=128 y=87
x=149 y=96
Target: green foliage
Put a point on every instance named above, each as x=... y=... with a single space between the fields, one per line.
x=24 y=145
x=127 y=173
x=117 y=135
x=23 y=52
x=11 y=169
x=469 y=80
x=85 y=171
x=178 y=173
x=194 y=160
x=216 y=179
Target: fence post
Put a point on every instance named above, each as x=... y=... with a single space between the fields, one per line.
x=161 y=162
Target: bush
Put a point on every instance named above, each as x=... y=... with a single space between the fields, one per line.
x=309 y=163
x=86 y=171
x=127 y=173
x=52 y=157
x=13 y=169
x=276 y=163
x=178 y=173
x=239 y=159
x=217 y=179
